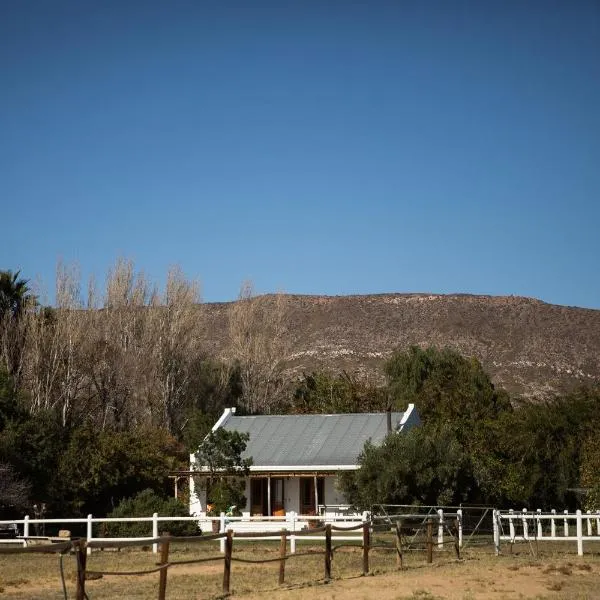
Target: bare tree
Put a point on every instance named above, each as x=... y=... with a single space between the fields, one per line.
x=55 y=341
x=260 y=343
x=174 y=342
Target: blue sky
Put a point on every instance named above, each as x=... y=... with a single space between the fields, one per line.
x=312 y=147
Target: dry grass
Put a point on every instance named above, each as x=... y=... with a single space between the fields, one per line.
x=478 y=576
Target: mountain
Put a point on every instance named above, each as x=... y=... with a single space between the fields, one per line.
x=528 y=346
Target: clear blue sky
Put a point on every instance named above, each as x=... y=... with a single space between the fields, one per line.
x=313 y=147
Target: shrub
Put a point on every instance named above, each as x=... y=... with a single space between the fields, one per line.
x=145 y=504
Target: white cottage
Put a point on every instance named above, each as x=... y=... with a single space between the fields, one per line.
x=296 y=458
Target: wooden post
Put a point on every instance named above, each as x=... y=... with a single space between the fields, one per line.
x=164 y=559
x=282 y=551
x=81 y=555
x=328 y=552
x=429 y=540
x=456 y=540
x=366 y=542
x=227 y=561
x=399 y=544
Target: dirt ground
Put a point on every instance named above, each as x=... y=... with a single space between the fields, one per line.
x=477 y=576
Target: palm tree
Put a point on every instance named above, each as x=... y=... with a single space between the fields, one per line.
x=14 y=297
x=14 y=294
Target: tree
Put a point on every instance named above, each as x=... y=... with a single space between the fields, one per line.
x=100 y=467
x=220 y=458
x=417 y=467
x=14 y=491
x=15 y=298
x=322 y=392
x=445 y=386
x=260 y=343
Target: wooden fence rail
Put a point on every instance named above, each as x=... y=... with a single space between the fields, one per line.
x=81 y=547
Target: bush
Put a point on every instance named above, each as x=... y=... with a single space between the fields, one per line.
x=145 y=504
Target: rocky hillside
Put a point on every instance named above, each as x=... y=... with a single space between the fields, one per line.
x=529 y=347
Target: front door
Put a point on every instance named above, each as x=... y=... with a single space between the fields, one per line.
x=259 y=496
x=310 y=497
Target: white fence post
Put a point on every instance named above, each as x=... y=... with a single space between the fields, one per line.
x=89 y=532
x=566 y=524
x=539 y=524
x=222 y=530
x=291 y=518
x=525 y=525
x=440 y=535
x=598 y=523
x=155 y=532
x=589 y=522
x=511 y=526
x=579 y=534
x=460 y=531
x=25 y=530
x=553 y=523
x=496 y=526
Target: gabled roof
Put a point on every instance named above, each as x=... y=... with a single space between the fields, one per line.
x=312 y=442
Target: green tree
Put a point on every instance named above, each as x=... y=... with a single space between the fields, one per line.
x=421 y=466
x=445 y=386
x=14 y=297
x=99 y=468
x=322 y=392
x=14 y=294
x=220 y=458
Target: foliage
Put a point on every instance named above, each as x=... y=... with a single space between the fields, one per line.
x=145 y=504
x=220 y=456
x=422 y=466
x=322 y=392
x=98 y=468
x=14 y=491
x=445 y=386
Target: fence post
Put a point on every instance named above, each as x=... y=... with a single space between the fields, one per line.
x=164 y=560
x=399 y=544
x=579 y=533
x=525 y=525
x=440 y=533
x=598 y=523
x=456 y=543
x=553 y=523
x=429 y=540
x=89 y=532
x=292 y=528
x=511 y=526
x=222 y=530
x=589 y=522
x=155 y=532
x=81 y=564
x=459 y=514
x=566 y=524
x=282 y=551
x=227 y=561
x=366 y=542
x=327 y=552
x=539 y=532
x=496 y=528
x=25 y=529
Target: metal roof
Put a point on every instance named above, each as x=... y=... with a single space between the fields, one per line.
x=292 y=441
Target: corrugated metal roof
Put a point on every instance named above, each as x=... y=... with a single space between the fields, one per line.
x=306 y=440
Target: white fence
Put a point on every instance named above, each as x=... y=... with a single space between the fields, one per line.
x=511 y=526
x=292 y=522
